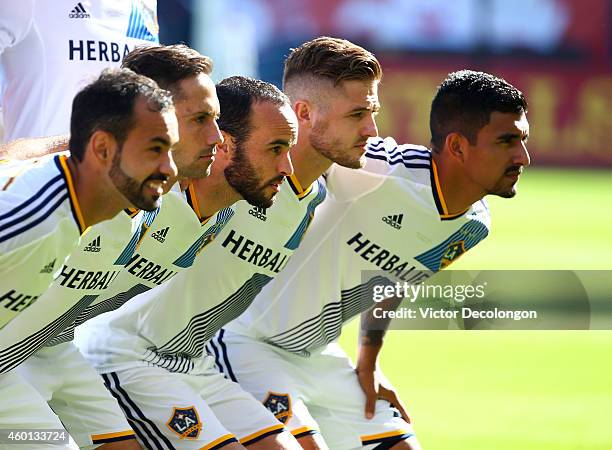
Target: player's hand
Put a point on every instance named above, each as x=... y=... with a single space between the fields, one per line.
x=376 y=386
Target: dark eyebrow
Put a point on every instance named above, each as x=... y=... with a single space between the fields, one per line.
x=160 y=140
x=279 y=142
x=508 y=137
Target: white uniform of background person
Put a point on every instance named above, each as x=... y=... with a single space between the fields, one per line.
x=389 y=217
x=50 y=49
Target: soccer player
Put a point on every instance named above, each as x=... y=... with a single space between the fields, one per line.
x=151 y=352
x=183 y=226
x=49 y=50
x=407 y=214
x=123 y=127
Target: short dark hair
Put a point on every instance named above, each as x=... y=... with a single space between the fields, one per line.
x=108 y=104
x=333 y=59
x=237 y=95
x=168 y=65
x=464 y=103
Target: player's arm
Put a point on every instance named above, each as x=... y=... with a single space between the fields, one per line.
x=34 y=147
x=373 y=382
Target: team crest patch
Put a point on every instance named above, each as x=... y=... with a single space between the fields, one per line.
x=454 y=251
x=279 y=405
x=205 y=241
x=185 y=422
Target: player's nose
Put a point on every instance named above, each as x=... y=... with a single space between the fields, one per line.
x=285 y=166
x=370 y=129
x=167 y=166
x=523 y=157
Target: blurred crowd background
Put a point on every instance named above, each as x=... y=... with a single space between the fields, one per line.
x=559 y=52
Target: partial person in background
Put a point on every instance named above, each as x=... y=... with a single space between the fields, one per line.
x=123 y=129
x=51 y=49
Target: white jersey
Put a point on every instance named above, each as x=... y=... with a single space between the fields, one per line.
x=40 y=224
x=170 y=325
x=49 y=50
x=87 y=273
x=389 y=217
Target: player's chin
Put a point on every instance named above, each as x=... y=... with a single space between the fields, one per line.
x=149 y=202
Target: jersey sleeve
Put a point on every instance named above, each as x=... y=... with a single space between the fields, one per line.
x=15 y=21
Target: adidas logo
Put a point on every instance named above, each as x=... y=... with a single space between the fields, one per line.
x=160 y=235
x=394 y=220
x=258 y=212
x=94 y=246
x=49 y=267
x=78 y=12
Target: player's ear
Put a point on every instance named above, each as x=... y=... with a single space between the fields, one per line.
x=303 y=111
x=456 y=143
x=226 y=149
x=102 y=146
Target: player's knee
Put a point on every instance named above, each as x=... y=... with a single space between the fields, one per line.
x=279 y=441
x=313 y=442
x=130 y=444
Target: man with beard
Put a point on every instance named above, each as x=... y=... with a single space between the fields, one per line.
x=123 y=128
x=183 y=226
x=407 y=214
x=156 y=364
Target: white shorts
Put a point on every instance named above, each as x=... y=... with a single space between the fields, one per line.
x=317 y=393
x=22 y=407
x=197 y=410
x=76 y=393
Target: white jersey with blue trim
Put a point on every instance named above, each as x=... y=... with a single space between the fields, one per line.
x=388 y=217
x=169 y=326
x=40 y=225
x=87 y=273
x=49 y=50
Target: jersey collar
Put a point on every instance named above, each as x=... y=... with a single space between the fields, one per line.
x=192 y=200
x=439 y=197
x=297 y=188
x=62 y=164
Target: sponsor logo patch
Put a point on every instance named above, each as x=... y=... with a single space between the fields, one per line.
x=258 y=212
x=395 y=220
x=185 y=422
x=78 y=12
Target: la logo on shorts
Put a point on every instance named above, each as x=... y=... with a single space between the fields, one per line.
x=279 y=405
x=185 y=422
x=453 y=251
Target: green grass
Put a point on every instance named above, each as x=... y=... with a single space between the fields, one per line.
x=503 y=390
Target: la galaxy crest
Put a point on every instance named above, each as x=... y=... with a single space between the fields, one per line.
x=279 y=405
x=205 y=241
x=453 y=251
x=185 y=422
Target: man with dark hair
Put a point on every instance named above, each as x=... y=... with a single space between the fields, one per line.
x=121 y=159
x=159 y=368
x=407 y=214
x=191 y=215
x=257 y=243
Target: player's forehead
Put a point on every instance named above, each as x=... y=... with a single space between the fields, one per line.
x=352 y=94
x=272 y=122
x=503 y=122
x=196 y=94
x=148 y=123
